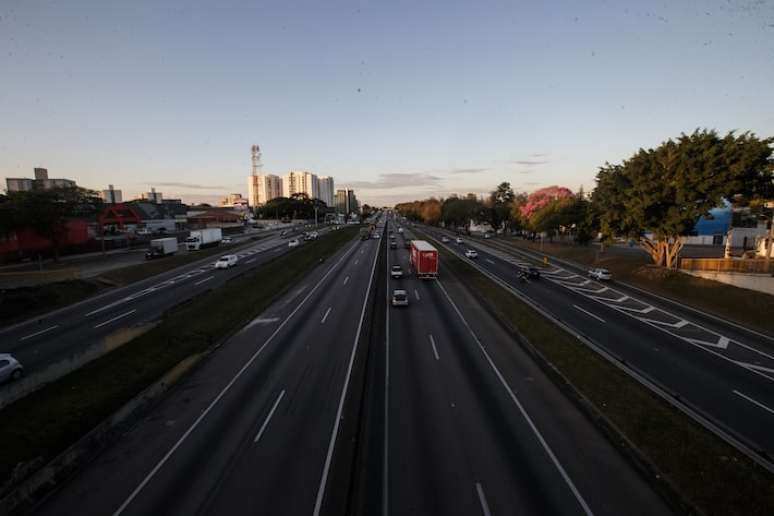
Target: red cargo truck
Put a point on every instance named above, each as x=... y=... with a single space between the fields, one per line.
x=424 y=259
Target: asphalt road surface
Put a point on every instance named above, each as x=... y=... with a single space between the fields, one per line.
x=457 y=419
x=723 y=371
x=56 y=336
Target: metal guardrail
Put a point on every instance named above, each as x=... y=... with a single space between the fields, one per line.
x=751 y=266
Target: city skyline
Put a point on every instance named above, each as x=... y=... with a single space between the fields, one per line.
x=454 y=98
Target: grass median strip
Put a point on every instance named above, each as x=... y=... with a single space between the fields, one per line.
x=713 y=476
x=38 y=427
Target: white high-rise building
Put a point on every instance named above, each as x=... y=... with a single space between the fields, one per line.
x=262 y=189
x=301 y=182
x=327 y=191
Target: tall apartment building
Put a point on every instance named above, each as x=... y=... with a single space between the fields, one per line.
x=301 y=182
x=327 y=191
x=111 y=195
x=346 y=202
x=263 y=188
x=41 y=182
x=152 y=196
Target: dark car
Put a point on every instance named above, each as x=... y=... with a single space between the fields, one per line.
x=529 y=271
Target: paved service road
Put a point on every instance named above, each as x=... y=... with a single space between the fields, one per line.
x=722 y=371
x=53 y=337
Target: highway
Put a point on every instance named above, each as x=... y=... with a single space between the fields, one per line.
x=58 y=335
x=723 y=372
x=252 y=431
x=456 y=418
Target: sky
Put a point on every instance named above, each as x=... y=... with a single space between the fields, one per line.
x=398 y=100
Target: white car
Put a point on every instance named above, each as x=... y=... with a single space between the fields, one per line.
x=226 y=240
x=399 y=298
x=487 y=235
x=396 y=272
x=458 y=240
x=293 y=243
x=10 y=368
x=375 y=236
x=445 y=240
x=226 y=261
x=471 y=253
x=600 y=274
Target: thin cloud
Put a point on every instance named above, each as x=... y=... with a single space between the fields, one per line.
x=192 y=186
x=457 y=171
x=397 y=180
x=530 y=162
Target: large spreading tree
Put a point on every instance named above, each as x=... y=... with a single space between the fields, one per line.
x=658 y=195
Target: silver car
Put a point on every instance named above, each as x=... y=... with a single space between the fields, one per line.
x=10 y=368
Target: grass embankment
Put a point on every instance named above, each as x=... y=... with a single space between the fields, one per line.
x=133 y=273
x=709 y=473
x=746 y=307
x=22 y=303
x=43 y=424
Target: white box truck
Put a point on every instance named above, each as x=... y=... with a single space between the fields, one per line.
x=203 y=238
x=161 y=247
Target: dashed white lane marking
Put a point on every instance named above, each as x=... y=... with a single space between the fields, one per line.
x=490 y=261
x=357 y=261
x=482 y=500
x=589 y=314
x=328 y=311
x=268 y=418
x=130 y=312
x=435 y=350
x=754 y=402
x=346 y=280
x=250 y=260
x=41 y=332
x=416 y=294
x=204 y=280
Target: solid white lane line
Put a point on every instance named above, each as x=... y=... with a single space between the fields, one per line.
x=490 y=261
x=130 y=312
x=416 y=294
x=251 y=260
x=326 y=315
x=223 y=392
x=589 y=314
x=357 y=261
x=754 y=402
x=522 y=410
x=435 y=351
x=346 y=280
x=334 y=433
x=268 y=418
x=204 y=280
x=41 y=332
x=385 y=458
x=482 y=499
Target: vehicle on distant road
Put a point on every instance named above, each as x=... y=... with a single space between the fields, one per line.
x=458 y=240
x=445 y=240
x=203 y=238
x=400 y=230
x=393 y=245
x=424 y=259
x=529 y=271
x=10 y=368
x=227 y=240
x=487 y=235
x=396 y=272
x=226 y=261
x=143 y=232
x=400 y=298
x=600 y=274
x=375 y=236
x=365 y=233
x=471 y=253
x=293 y=243
x=161 y=247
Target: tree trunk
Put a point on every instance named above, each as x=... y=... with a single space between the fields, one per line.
x=664 y=252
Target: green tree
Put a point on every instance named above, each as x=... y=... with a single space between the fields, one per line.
x=46 y=212
x=664 y=191
x=500 y=201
